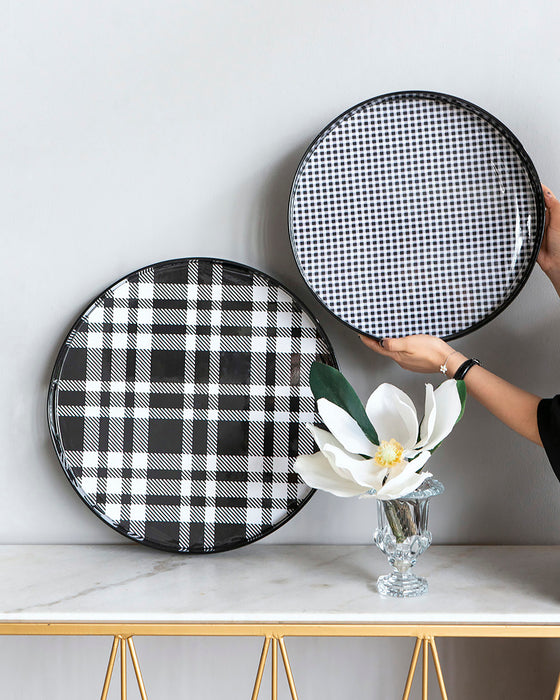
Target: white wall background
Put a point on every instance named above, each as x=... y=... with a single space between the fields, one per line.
x=134 y=131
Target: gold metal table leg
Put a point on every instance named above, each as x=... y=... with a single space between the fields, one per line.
x=425 y=668
x=110 y=667
x=274 y=669
x=428 y=643
x=260 y=670
x=437 y=664
x=557 y=690
x=288 y=669
x=123 y=668
x=137 y=670
x=412 y=669
x=122 y=641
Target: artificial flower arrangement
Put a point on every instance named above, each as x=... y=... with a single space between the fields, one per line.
x=378 y=450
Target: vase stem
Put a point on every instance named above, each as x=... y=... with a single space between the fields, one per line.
x=393 y=520
x=400 y=520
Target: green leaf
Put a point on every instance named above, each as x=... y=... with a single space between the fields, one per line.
x=328 y=383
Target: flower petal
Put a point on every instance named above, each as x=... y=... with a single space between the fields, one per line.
x=322 y=437
x=317 y=472
x=365 y=472
x=428 y=422
x=409 y=466
x=402 y=486
x=393 y=415
x=331 y=447
x=345 y=429
x=418 y=462
x=448 y=409
x=347 y=465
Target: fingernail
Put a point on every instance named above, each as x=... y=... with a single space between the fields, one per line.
x=381 y=342
x=549 y=194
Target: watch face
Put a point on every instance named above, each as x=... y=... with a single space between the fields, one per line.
x=178 y=401
x=416 y=212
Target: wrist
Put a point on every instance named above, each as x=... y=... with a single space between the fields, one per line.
x=446 y=359
x=465 y=368
x=453 y=364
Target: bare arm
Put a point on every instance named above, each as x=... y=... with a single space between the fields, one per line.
x=515 y=407
x=424 y=353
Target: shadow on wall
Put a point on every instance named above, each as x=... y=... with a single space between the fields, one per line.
x=271 y=219
x=41 y=415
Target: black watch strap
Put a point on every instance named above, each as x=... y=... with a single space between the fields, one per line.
x=464 y=368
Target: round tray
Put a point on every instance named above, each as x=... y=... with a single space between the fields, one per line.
x=416 y=212
x=177 y=404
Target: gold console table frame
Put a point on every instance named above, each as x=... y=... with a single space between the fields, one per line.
x=274 y=635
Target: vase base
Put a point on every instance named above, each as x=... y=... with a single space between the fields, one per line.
x=402 y=585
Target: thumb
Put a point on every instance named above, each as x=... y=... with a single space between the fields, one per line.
x=549 y=198
x=394 y=344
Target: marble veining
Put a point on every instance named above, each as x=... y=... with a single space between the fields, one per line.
x=286 y=583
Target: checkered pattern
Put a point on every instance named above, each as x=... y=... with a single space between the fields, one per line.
x=415 y=213
x=178 y=402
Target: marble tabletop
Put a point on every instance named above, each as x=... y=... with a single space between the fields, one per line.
x=280 y=583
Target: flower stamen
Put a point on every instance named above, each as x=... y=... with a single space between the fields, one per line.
x=389 y=454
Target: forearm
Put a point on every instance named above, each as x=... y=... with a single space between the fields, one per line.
x=510 y=404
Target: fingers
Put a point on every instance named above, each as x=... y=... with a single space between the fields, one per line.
x=549 y=199
x=393 y=345
x=386 y=347
x=374 y=345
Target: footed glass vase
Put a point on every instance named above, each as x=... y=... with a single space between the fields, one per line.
x=402 y=534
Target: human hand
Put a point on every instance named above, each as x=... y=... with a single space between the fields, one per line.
x=549 y=254
x=417 y=353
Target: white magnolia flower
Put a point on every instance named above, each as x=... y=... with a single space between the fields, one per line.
x=349 y=464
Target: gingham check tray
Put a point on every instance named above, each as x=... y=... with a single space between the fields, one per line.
x=416 y=212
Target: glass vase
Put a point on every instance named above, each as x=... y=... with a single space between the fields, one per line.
x=402 y=534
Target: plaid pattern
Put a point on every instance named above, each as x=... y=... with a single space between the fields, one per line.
x=178 y=402
x=415 y=213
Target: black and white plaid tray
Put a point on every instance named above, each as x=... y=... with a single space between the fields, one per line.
x=416 y=212
x=177 y=404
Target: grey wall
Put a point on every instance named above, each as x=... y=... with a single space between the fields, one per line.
x=139 y=131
